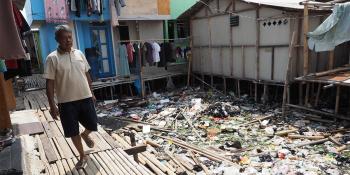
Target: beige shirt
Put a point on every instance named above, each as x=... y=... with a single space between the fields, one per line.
x=68 y=70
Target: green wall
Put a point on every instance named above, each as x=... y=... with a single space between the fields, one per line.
x=177 y=7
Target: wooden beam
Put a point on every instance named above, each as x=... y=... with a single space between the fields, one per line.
x=331 y=60
x=306 y=49
x=257 y=43
x=337 y=100
x=5 y=121
x=136 y=149
x=288 y=73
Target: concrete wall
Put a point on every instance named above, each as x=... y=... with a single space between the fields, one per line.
x=151 y=30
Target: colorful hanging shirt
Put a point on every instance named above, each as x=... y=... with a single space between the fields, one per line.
x=56 y=11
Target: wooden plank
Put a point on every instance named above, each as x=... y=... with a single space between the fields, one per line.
x=101 y=162
x=103 y=141
x=48 y=130
x=129 y=168
x=48 y=116
x=109 y=140
x=41 y=149
x=55 y=149
x=60 y=167
x=136 y=149
x=72 y=167
x=98 y=143
x=66 y=167
x=59 y=149
x=55 y=169
x=48 y=169
x=124 y=168
x=55 y=129
x=93 y=167
x=64 y=147
x=27 y=128
x=129 y=161
x=111 y=164
x=72 y=147
x=48 y=149
x=97 y=165
x=59 y=126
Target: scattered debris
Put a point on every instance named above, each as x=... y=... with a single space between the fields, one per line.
x=196 y=132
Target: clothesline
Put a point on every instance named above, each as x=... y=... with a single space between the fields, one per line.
x=122 y=41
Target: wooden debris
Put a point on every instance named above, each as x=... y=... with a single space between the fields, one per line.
x=295 y=136
x=285 y=132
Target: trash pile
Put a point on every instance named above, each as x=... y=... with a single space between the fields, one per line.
x=197 y=132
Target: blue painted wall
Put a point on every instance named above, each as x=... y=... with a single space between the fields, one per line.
x=38 y=12
x=82 y=30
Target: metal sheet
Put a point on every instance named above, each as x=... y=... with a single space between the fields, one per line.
x=220 y=30
x=226 y=61
x=200 y=32
x=281 y=62
x=245 y=33
x=216 y=60
x=265 y=63
x=250 y=63
x=274 y=31
x=237 y=63
x=294 y=4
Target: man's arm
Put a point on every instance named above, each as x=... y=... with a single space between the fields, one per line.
x=90 y=83
x=50 y=96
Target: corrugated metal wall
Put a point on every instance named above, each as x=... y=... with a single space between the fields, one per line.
x=214 y=54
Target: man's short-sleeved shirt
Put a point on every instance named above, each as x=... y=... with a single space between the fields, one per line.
x=68 y=70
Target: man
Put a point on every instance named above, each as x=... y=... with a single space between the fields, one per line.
x=66 y=73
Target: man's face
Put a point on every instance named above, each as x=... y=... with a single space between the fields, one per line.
x=65 y=40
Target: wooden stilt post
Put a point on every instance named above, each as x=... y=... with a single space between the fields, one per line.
x=300 y=90
x=331 y=60
x=5 y=121
x=318 y=94
x=189 y=71
x=337 y=100
x=307 y=94
x=212 y=80
x=238 y=89
x=265 y=94
x=288 y=94
x=225 y=90
x=305 y=50
x=256 y=92
x=286 y=79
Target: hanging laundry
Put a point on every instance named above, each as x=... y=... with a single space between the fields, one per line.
x=113 y=12
x=13 y=49
x=56 y=11
x=148 y=52
x=130 y=49
x=89 y=9
x=78 y=7
x=123 y=61
x=156 y=50
x=135 y=63
x=2 y=66
x=118 y=5
x=166 y=54
x=333 y=31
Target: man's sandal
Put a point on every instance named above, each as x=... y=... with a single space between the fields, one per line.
x=81 y=163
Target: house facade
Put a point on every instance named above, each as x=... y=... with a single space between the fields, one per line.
x=250 y=39
x=139 y=19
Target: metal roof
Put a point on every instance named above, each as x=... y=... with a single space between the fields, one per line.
x=293 y=4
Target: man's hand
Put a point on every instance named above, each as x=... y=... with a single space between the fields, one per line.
x=94 y=98
x=54 y=113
